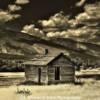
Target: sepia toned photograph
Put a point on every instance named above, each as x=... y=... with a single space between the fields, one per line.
x=49 y=49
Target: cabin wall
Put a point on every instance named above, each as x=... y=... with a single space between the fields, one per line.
x=44 y=78
x=67 y=74
x=67 y=71
x=51 y=74
x=32 y=74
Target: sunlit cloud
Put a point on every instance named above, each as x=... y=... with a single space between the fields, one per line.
x=22 y=1
x=80 y=3
x=30 y=29
x=13 y=8
x=6 y=16
x=58 y=20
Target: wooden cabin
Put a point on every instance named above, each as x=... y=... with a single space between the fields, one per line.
x=50 y=69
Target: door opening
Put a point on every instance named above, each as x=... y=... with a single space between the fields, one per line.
x=39 y=75
x=57 y=73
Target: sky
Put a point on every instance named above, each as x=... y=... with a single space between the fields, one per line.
x=22 y=12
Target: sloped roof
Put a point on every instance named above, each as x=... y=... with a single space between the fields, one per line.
x=43 y=60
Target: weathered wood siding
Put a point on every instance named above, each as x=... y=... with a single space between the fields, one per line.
x=51 y=74
x=44 y=78
x=67 y=71
x=31 y=74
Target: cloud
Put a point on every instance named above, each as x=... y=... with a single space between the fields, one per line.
x=80 y=3
x=22 y=1
x=13 y=8
x=6 y=16
x=93 y=10
x=58 y=20
x=56 y=34
x=83 y=16
x=30 y=29
x=73 y=33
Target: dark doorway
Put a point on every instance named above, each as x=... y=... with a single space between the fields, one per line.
x=57 y=73
x=39 y=75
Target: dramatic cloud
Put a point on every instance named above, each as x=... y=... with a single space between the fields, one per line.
x=85 y=25
x=58 y=20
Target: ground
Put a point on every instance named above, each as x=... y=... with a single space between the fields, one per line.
x=89 y=90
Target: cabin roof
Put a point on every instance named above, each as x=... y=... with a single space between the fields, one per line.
x=44 y=59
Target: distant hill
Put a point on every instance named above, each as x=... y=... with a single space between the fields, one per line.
x=22 y=43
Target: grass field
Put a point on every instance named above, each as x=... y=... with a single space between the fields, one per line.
x=90 y=90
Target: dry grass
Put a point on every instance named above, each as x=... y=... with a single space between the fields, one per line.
x=90 y=90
